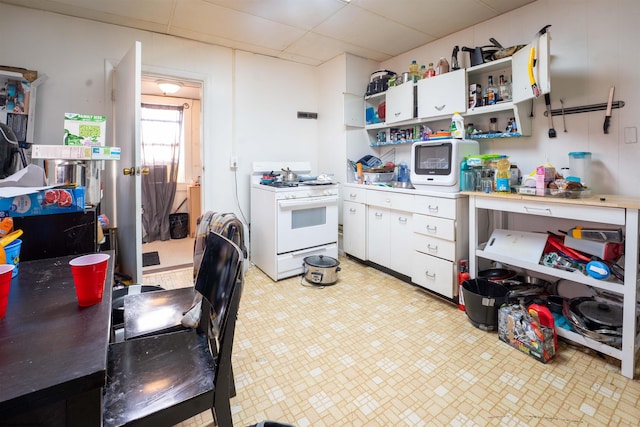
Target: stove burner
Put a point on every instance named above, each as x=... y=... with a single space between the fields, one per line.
x=280 y=184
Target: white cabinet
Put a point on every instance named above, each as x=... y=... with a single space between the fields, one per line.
x=421 y=235
x=378 y=233
x=442 y=95
x=389 y=230
x=515 y=69
x=389 y=235
x=604 y=211
x=440 y=240
x=400 y=248
x=400 y=103
x=354 y=229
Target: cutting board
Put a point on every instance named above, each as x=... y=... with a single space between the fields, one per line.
x=520 y=245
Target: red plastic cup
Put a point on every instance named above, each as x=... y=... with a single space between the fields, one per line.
x=5 y=285
x=89 y=275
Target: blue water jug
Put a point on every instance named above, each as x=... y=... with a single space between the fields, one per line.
x=403 y=173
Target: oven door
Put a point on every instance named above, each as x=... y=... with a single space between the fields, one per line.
x=305 y=223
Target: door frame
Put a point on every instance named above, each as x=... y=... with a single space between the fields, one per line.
x=112 y=169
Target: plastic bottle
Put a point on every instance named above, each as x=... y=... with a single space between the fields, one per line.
x=422 y=74
x=414 y=69
x=430 y=71
x=457 y=126
x=503 y=175
x=463 y=274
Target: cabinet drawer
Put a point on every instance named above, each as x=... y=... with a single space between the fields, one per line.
x=444 y=208
x=387 y=199
x=434 y=274
x=429 y=245
x=575 y=211
x=441 y=228
x=354 y=194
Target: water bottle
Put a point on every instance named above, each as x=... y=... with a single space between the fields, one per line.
x=503 y=175
x=457 y=126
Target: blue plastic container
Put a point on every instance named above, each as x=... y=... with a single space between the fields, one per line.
x=12 y=251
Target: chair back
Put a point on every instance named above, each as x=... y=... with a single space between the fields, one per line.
x=225 y=224
x=219 y=271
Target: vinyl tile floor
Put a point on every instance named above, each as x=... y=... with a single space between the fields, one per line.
x=372 y=350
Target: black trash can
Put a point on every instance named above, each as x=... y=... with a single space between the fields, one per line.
x=482 y=299
x=179 y=225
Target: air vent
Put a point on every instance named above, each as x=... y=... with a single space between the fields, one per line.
x=307 y=115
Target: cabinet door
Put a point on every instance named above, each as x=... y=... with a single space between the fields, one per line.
x=378 y=234
x=400 y=244
x=400 y=103
x=442 y=95
x=521 y=87
x=354 y=229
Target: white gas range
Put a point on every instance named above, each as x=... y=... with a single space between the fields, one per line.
x=290 y=222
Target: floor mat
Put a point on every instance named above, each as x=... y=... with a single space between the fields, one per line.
x=150 y=258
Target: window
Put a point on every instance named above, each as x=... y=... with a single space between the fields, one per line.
x=163 y=137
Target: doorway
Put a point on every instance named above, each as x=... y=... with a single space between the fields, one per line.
x=176 y=251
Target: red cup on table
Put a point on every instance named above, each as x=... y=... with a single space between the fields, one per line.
x=5 y=286
x=89 y=276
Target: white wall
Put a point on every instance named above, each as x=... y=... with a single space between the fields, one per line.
x=593 y=47
x=249 y=101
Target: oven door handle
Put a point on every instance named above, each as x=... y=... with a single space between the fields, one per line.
x=308 y=203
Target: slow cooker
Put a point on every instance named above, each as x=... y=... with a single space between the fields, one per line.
x=320 y=269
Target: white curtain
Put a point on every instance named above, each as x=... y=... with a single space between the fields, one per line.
x=162 y=134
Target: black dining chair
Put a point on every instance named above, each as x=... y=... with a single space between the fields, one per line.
x=165 y=379
x=163 y=311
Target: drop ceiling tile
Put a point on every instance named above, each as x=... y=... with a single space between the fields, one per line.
x=325 y=48
x=304 y=14
x=197 y=16
x=434 y=17
x=503 y=6
x=222 y=41
x=158 y=11
x=367 y=29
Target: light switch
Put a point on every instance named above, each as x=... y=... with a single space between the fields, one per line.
x=630 y=135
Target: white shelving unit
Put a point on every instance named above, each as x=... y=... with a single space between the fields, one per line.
x=437 y=98
x=609 y=211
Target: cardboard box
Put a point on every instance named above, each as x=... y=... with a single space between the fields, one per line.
x=516 y=329
x=44 y=202
x=84 y=129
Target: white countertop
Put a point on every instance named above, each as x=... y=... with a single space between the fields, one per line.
x=418 y=191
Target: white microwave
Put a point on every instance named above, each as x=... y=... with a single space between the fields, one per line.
x=435 y=164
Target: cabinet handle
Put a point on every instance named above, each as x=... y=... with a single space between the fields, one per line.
x=431 y=229
x=378 y=214
x=352 y=196
x=402 y=220
x=397 y=114
x=430 y=276
x=440 y=108
x=544 y=211
x=433 y=208
x=352 y=210
x=432 y=248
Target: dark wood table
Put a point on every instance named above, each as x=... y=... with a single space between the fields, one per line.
x=53 y=353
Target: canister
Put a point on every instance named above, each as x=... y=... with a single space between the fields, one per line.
x=580 y=166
